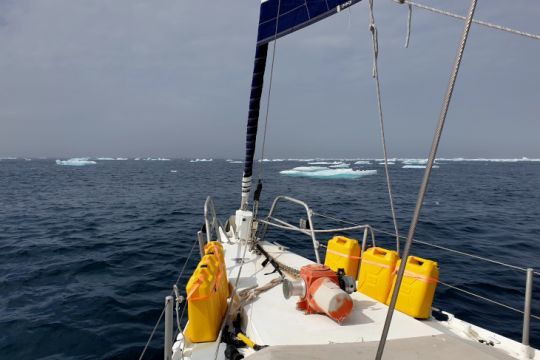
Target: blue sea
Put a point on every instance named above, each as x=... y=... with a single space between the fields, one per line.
x=88 y=253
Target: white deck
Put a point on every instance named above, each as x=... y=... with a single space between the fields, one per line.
x=292 y=327
x=272 y=320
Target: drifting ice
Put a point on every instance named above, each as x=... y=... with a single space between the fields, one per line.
x=417 y=166
x=340 y=166
x=326 y=173
x=75 y=162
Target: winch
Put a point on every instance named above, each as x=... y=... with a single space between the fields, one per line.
x=322 y=291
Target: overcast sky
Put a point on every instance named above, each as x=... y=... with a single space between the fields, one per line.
x=172 y=78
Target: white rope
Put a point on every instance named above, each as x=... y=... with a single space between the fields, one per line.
x=375 y=41
x=479 y=22
x=249 y=294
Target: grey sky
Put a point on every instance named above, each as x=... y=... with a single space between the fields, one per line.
x=172 y=77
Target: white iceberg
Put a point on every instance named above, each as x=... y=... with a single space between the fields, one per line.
x=201 y=160
x=414 y=161
x=105 y=159
x=362 y=162
x=339 y=166
x=326 y=173
x=236 y=162
x=417 y=166
x=75 y=162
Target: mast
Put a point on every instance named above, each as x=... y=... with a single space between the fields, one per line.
x=259 y=66
x=277 y=18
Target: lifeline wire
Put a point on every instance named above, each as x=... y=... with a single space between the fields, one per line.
x=479 y=22
x=163 y=311
x=375 y=41
x=425 y=180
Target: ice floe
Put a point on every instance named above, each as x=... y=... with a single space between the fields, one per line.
x=75 y=162
x=411 y=166
x=339 y=166
x=200 y=160
x=319 y=172
x=362 y=162
x=157 y=159
x=325 y=163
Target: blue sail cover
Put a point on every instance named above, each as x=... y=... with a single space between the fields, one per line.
x=294 y=15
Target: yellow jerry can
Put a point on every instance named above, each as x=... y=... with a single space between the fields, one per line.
x=343 y=253
x=215 y=247
x=417 y=288
x=375 y=278
x=205 y=302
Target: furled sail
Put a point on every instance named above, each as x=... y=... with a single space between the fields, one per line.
x=277 y=18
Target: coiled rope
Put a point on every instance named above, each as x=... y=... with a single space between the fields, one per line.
x=375 y=74
x=456 y=16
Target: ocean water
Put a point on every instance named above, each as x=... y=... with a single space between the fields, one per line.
x=87 y=254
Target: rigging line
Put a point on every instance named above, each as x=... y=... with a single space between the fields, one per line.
x=234 y=292
x=409 y=20
x=479 y=22
x=427 y=174
x=152 y=334
x=375 y=41
x=485 y=299
x=346 y=221
x=260 y=172
x=172 y=292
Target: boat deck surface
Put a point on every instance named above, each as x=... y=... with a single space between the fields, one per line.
x=272 y=320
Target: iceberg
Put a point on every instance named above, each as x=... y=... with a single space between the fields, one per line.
x=362 y=162
x=157 y=159
x=201 y=160
x=236 y=162
x=75 y=162
x=389 y=163
x=174 y=171
x=410 y=166
x=105 y=159
x=414 y=161
x=339 y=166
x=325 y=163
x=318 y=172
